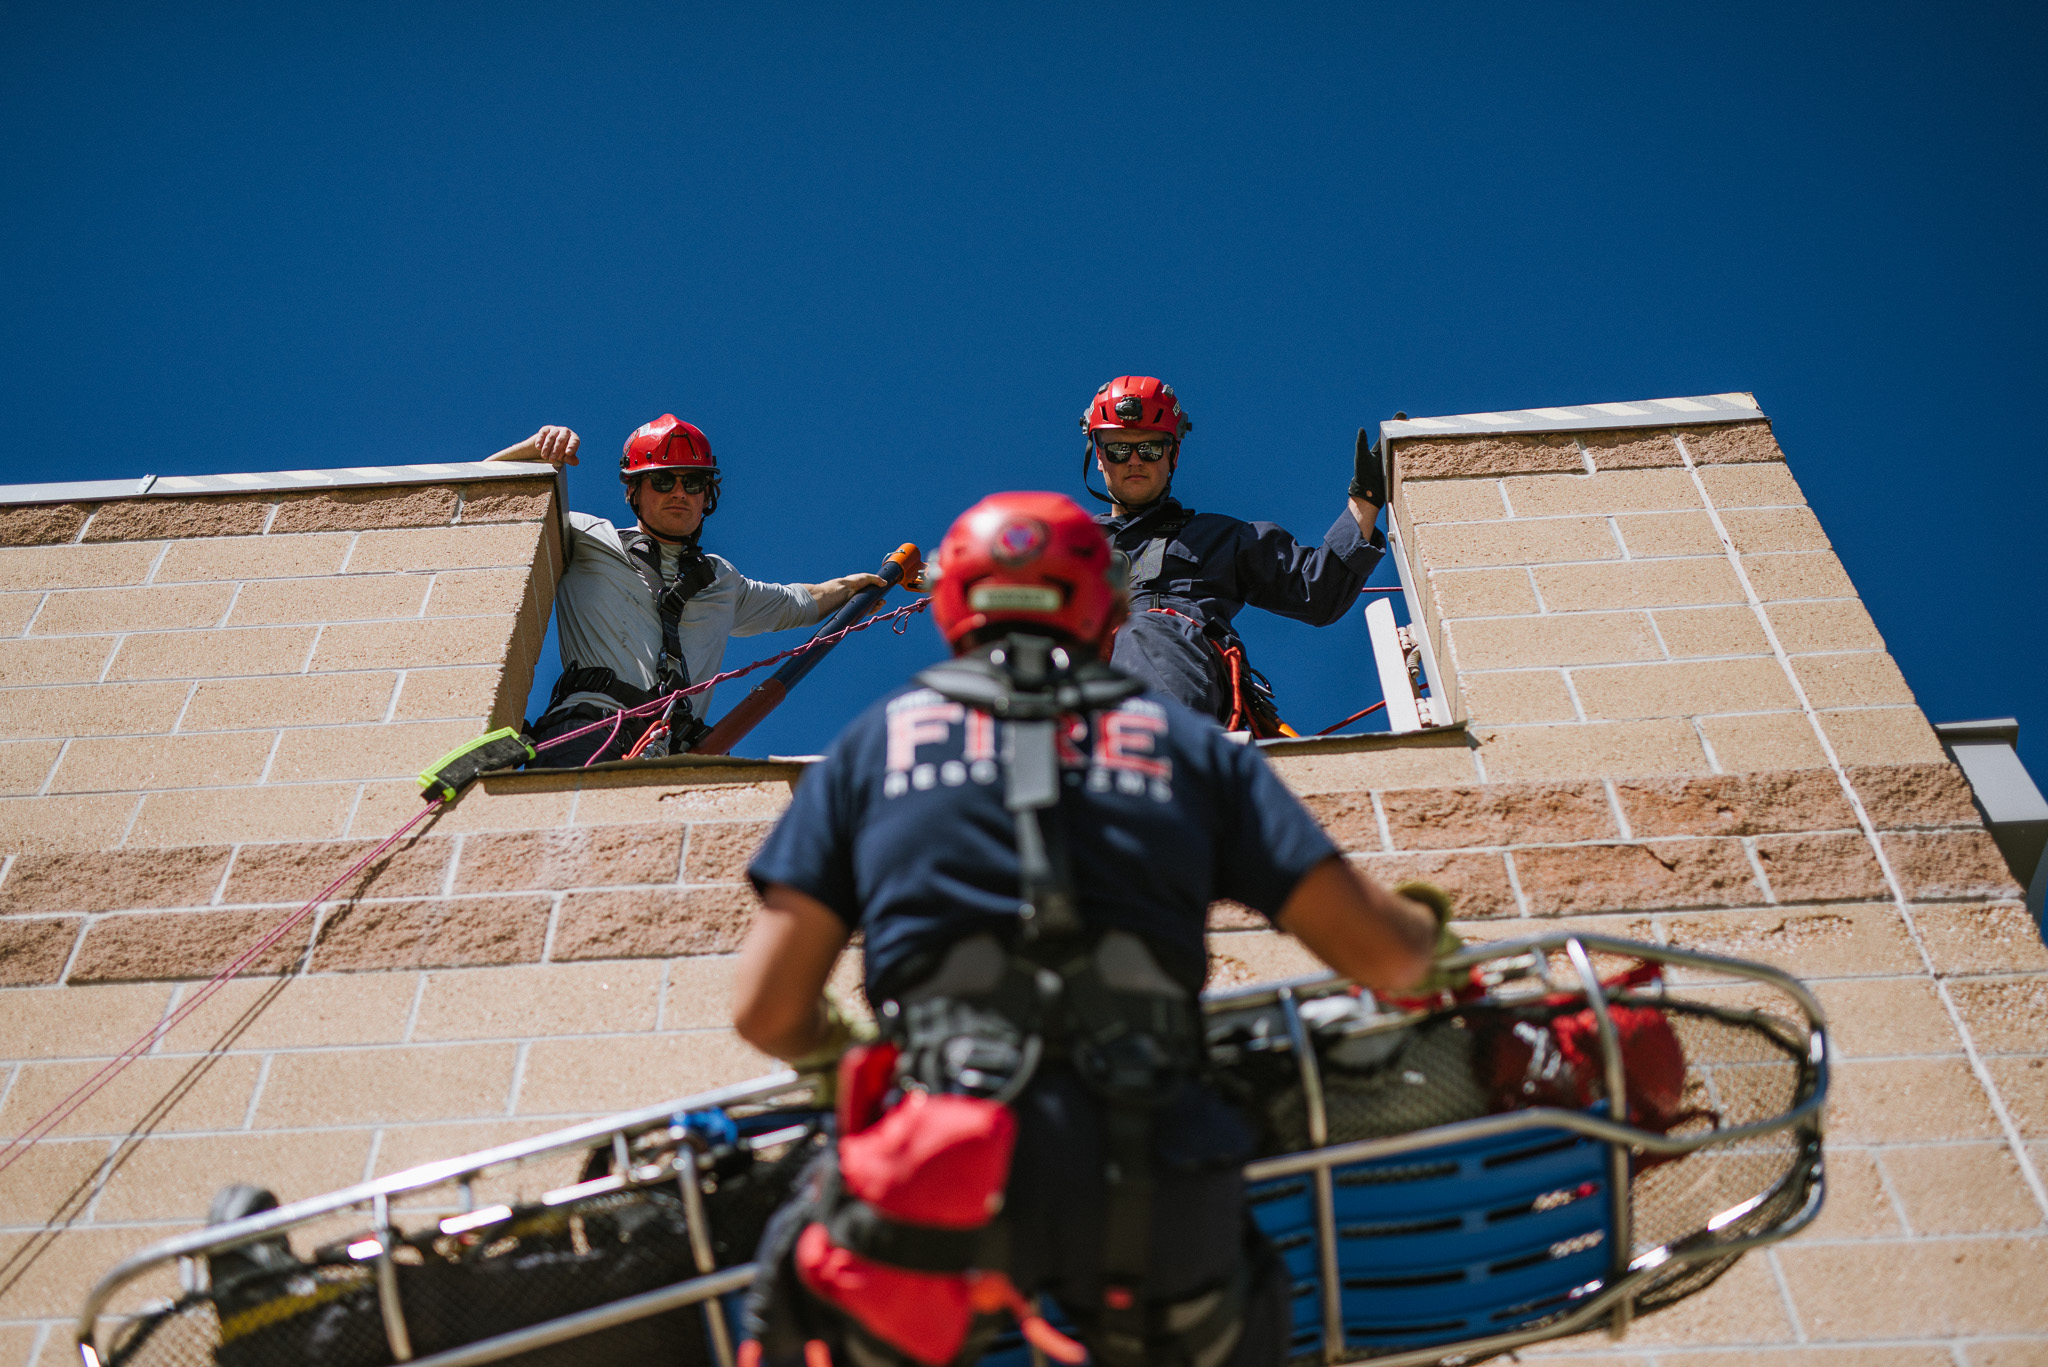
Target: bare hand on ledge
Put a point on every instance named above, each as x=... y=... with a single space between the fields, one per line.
x=555 y=445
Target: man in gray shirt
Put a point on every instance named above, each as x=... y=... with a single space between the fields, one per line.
x=644 y=611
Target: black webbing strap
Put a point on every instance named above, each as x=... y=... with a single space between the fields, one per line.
x=694 y=573
x=1127 y=1242
x=1022 y=684
x=1031 y=786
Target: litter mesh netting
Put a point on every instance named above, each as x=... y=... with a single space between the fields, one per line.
x=1429 y=1080
x=271 y=1310
x=1742 y=1067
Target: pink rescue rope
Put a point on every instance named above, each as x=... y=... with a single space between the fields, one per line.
x=661 y=704
x=85 y=1091
x=21 y=1143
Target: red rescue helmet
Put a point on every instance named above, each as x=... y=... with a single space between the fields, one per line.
x=1031 y=559
x=1136 y=401
x=665 y=443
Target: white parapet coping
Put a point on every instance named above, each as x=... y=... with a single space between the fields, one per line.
x=1702 y=408
x=188 y=486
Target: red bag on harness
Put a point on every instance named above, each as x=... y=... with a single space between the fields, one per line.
x=930 y=1167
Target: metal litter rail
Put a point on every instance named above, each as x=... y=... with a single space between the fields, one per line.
x=1611 y=1304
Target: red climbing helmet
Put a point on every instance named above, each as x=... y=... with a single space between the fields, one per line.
x=1136 y=401
x=1028 y=558
x=665 y=443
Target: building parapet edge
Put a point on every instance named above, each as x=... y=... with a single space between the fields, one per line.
x=195 y=486
x=1676 y=412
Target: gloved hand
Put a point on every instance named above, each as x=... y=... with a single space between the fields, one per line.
x=1438 y=979
x=821 y=1065
x=1368 y=476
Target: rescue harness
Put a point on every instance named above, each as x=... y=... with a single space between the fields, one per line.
x=903 y=1221
x=1251 y=693
x=694 y=574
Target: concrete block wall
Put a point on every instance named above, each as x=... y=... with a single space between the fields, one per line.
x=1688 y=729
x=557 y=946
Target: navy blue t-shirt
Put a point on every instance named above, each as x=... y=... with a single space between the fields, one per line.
x=902 y=831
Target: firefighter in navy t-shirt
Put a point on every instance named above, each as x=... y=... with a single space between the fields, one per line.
x=1028 y=841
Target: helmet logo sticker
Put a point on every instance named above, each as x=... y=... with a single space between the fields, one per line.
x=1019 y=541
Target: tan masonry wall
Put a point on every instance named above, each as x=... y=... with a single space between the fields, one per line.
x=558 y=946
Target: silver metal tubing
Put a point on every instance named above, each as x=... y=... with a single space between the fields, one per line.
x=1325 y=1181
x=591 y=1321
x=1622 y=1243
x=1609 y=1129
x=218 y=1238
x=700 y=1249
x=1487 y=1126
x=388 y=1304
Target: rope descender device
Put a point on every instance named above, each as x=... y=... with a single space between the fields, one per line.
x=446 y=777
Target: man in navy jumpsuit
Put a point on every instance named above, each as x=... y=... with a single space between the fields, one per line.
x=902 y=833
x=1193 y=572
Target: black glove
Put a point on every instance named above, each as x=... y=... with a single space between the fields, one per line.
x=1368 y=476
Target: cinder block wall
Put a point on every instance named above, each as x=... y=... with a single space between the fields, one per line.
x=557 y=947
x=1688 y=730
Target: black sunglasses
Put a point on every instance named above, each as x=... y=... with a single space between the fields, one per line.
x=693 y=481
x=1118 y=452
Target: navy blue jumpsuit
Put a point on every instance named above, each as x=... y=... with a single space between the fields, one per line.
x=1208 y=571
x=902 y=832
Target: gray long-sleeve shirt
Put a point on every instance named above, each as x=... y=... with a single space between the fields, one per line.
x=606 y=617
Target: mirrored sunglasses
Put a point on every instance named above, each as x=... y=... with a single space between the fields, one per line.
x=1118 y=452
x=693 y=481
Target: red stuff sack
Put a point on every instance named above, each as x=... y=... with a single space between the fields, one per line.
x=1530 y=1057
x=934 y=1160
x=897 y=1244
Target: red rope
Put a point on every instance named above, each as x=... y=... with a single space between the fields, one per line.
x=84 y=1092
x=1353 y=717
x=662 y=703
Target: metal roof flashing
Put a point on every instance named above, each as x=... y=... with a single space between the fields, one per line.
x=190 y=486
x=1702 y=408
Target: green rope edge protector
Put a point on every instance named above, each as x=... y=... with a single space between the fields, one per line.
x=446 y=777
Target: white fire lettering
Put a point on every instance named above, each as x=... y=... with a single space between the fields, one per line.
x=915 y=726
x=981 y=737
x=1123 y=740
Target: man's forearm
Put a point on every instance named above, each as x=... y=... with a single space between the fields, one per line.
x=802 y=1038
x=834 y=594
x=829 y=596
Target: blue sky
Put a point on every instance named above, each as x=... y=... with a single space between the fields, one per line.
x=883 y=255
